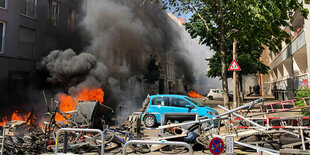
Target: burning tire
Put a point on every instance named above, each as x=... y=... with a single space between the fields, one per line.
x=149 y=120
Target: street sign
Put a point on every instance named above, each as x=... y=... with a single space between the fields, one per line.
x=216 y=146
x=229 y=142
x=234 y=66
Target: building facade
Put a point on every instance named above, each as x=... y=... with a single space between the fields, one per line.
x=29 y=30
x=290 y=67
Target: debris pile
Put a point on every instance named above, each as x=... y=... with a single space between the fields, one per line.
x=256 y=126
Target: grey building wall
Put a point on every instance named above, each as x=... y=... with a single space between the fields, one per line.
x=18 y=71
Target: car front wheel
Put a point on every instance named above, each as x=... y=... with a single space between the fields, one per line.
x=210 y=98
x=149 y=121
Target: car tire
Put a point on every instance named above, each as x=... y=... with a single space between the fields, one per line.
x=210 y=97
x=149 y=121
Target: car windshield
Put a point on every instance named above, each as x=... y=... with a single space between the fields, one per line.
x=195 y=102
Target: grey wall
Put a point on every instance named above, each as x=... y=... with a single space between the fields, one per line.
x=17 y=73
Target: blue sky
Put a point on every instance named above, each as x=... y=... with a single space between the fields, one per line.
x=185 y=15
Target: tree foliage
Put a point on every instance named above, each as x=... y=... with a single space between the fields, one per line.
x=252 y=23
x=248 y=60
x=303 y=93
x=152 y=72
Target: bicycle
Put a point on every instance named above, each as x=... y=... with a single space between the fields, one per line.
x=111 y=136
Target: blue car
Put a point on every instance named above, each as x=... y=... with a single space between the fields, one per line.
x=174 y=104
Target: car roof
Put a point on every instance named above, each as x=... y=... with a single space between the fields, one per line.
x=168 y=95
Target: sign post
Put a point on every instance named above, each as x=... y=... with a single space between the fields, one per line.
x=235 y=67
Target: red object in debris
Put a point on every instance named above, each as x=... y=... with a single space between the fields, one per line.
x=278 y=127
x=50 y=142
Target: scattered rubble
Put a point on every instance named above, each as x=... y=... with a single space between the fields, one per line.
x=255 y=126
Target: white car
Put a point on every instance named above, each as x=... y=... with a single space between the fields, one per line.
x=218 y=94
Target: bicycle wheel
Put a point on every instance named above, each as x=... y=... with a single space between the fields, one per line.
x=172 y=149
x=203 y=140
x=108 y=137
x=142 y=148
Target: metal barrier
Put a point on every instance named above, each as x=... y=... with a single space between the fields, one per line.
x=154 y=113
x=2 y=141
x=80 y=130
x=163 y=142
x=219 y=117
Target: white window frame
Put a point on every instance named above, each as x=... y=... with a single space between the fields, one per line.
x=35 y=10
x=5 y=5
x=2 y=48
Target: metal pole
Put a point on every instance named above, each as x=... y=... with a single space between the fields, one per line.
x=2 y=141
x=262 y=149
x=219 y=117
x=235 y=75
x=302 y=139
x=163 y=142
x=244 y=118
x=80 y=130
x=65 y=141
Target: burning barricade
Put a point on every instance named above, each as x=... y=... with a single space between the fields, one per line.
x=256 y=126
x=26 y=134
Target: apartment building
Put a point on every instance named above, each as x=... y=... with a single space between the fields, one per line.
x=29 y=30
x=290 y=67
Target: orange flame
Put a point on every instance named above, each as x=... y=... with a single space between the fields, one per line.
x=67 y=102
x=194 y=94
x=16 y=116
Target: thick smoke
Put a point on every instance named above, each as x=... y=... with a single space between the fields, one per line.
x=68 y=69
x=122 y=35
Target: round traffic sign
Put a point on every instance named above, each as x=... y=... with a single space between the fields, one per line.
x=216 y=146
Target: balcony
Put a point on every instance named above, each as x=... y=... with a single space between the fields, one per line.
x=297 y=43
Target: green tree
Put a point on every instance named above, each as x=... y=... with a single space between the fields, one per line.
x=217 y=22
x=303 y=93
x=152 y=72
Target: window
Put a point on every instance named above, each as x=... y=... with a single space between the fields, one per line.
x=121 y=59
x=3 y=3
x=53 y=12
x=26 y=42
x=178 y=102
x=2 y=35
x=163 y=101
x=29 y=8
x=115 y=57
x=199 y=104
x=72 y=19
